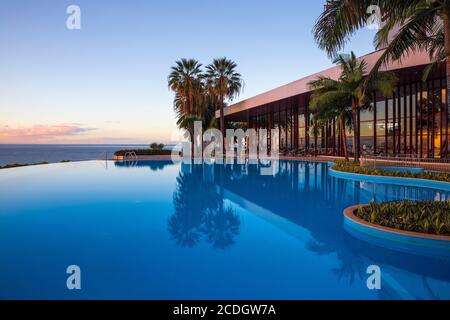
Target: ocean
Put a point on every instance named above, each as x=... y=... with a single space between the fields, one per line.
x=34 y=153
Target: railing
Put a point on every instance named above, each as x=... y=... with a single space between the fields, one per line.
x=405 y=161
x=131 y=159
x=103 y=156
x=130 y=155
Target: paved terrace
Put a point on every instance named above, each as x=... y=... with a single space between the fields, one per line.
x=168 y=157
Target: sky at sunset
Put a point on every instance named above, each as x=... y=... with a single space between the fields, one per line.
x=107 y=83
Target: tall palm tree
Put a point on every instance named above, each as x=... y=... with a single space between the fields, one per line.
x=209 y=113
x=224 y=82
x=351 y=88
x=421 y=24
x=185 y=80
x=329 y=102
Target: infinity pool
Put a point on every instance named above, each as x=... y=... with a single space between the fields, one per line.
x=158 y=230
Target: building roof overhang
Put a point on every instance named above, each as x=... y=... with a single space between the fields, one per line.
x=301 y=86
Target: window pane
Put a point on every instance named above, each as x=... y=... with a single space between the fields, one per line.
x=381 y=143
x=381 y=110
x=366 y=115
x=367 y=145
x=381 y=128
x=366 y=129
x=390 y=108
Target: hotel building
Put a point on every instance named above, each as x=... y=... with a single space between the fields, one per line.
x=413 y=122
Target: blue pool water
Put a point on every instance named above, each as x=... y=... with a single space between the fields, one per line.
x=158 y=230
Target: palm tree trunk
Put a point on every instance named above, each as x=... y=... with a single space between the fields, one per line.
x=344 y=137
x=191 y=124
x=191 y=131
x=447 y=62
x=355 y=131
x=222 y=123
x=202 y=144
x=339 y=134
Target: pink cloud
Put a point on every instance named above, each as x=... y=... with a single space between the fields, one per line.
x=43 y=131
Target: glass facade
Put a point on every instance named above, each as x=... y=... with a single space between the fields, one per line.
x=413 y=121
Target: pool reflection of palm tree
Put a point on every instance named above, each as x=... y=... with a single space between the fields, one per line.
x=221 y=227
x=200 y=212
x=191 y=198
x=350 y=263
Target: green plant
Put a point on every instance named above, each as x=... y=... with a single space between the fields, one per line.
x=156 y=146
x=144 y=152
x=354 y=167
x=432 y=217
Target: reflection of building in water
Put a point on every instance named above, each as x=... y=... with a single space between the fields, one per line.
x=413 y=121
x=313 y=182
x=390 y=192
x=307 y=203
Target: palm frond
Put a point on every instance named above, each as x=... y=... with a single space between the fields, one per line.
x=407 y=41
x=339 y=20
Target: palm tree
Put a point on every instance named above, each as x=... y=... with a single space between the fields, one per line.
x=351 y=87
x=421 y=24
x=209 y=114
x=224 y=82
x=185 y=80
x=328 y=102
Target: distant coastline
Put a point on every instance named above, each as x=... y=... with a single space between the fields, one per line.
x=37 y=153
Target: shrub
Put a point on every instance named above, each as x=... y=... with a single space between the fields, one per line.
x=145 y=152
x=432 y=217
x=156 y=146
x=354 y=167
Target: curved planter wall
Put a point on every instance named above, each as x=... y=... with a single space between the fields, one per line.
x=395 y=239
x=390 y=180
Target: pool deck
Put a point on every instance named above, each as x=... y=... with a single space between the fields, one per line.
x=168 y=157
x=315 y=159
x=430 y=164
x=443 y=167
